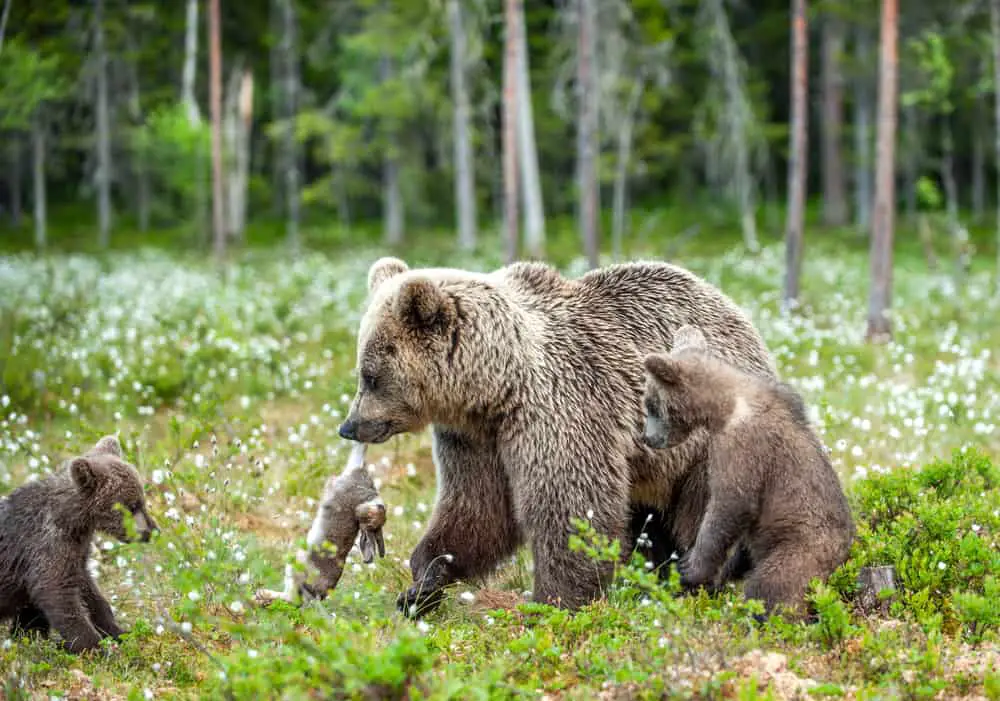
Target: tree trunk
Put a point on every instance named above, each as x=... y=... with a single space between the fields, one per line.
x=465 y=190
x=588 y=192
x=38 y=170
x=879 y=301
x=139 y=155
x=531 y=181
x=621 y=167
x=277 y=151
x=238 y=121
x=979 y=164
x=912 y=129
x=834 y=191
x=103 y=130
x=392 y=194
x=3 y=21
x=862 y=133
x=995 y=31
x=797 y=171
x=190 y=74
x=14 y=182
x=291 y=79
x=512 y=10
x=215 y=108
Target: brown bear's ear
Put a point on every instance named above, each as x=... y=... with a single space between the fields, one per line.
x=84 y=475
x=689 y=338
x=108 y=445
x=383 y=269
x=663 y=369
x=423 y=305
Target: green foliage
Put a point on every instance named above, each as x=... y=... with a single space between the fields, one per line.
x=937 y=526
x=30 y=79
x=177 y=155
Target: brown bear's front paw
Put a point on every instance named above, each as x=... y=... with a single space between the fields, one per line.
x=692 y=575
x=418 y=600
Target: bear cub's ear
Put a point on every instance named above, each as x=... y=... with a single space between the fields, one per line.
x=662 y=368
x=108 y=445
x=383 y=269
x=424 y=306
x=85 y=475
x=689 y=338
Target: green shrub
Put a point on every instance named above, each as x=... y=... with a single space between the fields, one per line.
x=938 y=527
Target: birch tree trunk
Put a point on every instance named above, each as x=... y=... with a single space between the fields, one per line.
x=862 y=133
x=621 y=168
x=139 y=155
x=3 y=21
x=879 y=301
x=392 y=195
x=834 y=191
x=103 y=130
x=531 y=181
x=238 y=121
x=979 y=164
x=465 y=191
x=911 y=139
x=995 y=31
x=38 y=170
x=290 y=62
x=797 y=153
x=587 y=131
x=190 y=73
x=512 y=9
x=215 y=109
x=14 y=182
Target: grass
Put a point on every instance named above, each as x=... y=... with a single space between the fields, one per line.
x=227 y=388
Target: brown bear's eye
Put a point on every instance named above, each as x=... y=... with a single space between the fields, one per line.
x=369 y=381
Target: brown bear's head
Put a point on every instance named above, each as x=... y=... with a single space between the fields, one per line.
x=407 y=337
x=109 y=486
x=678 y=389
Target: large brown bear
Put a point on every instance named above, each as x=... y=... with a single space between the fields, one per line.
x=767 y=486
x=533 y=384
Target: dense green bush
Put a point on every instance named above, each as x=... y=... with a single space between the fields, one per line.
x=938 y=526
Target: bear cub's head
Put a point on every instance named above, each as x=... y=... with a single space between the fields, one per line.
x=108 y=487
x=676 y=382
x=404 y=341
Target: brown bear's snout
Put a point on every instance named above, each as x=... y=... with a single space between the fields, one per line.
x=365 y=431
x=349 y=430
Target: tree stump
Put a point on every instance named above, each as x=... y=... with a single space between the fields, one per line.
x=871 y=581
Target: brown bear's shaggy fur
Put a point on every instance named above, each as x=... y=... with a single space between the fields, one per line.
x=533 y=384
x=768 y=486
x=46 y=528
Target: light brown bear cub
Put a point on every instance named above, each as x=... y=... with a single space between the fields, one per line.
x=771 y=489
x=46 y=529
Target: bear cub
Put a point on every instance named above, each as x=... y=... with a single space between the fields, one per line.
x=46 y=530
x=771 y=490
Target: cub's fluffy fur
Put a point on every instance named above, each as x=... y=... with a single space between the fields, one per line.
x=46 y=529
x=768 y=486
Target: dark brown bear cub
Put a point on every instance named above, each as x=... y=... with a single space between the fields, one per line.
x=46 y=529
x=771 y=489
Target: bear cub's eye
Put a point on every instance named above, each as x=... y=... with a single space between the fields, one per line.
x=652 y=409
x=369 y=380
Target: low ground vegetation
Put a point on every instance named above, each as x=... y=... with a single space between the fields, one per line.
x=227 y=388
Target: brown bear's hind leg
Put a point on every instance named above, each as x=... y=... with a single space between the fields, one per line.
x=29 y=619
x=472 y=527
x=781 y=580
